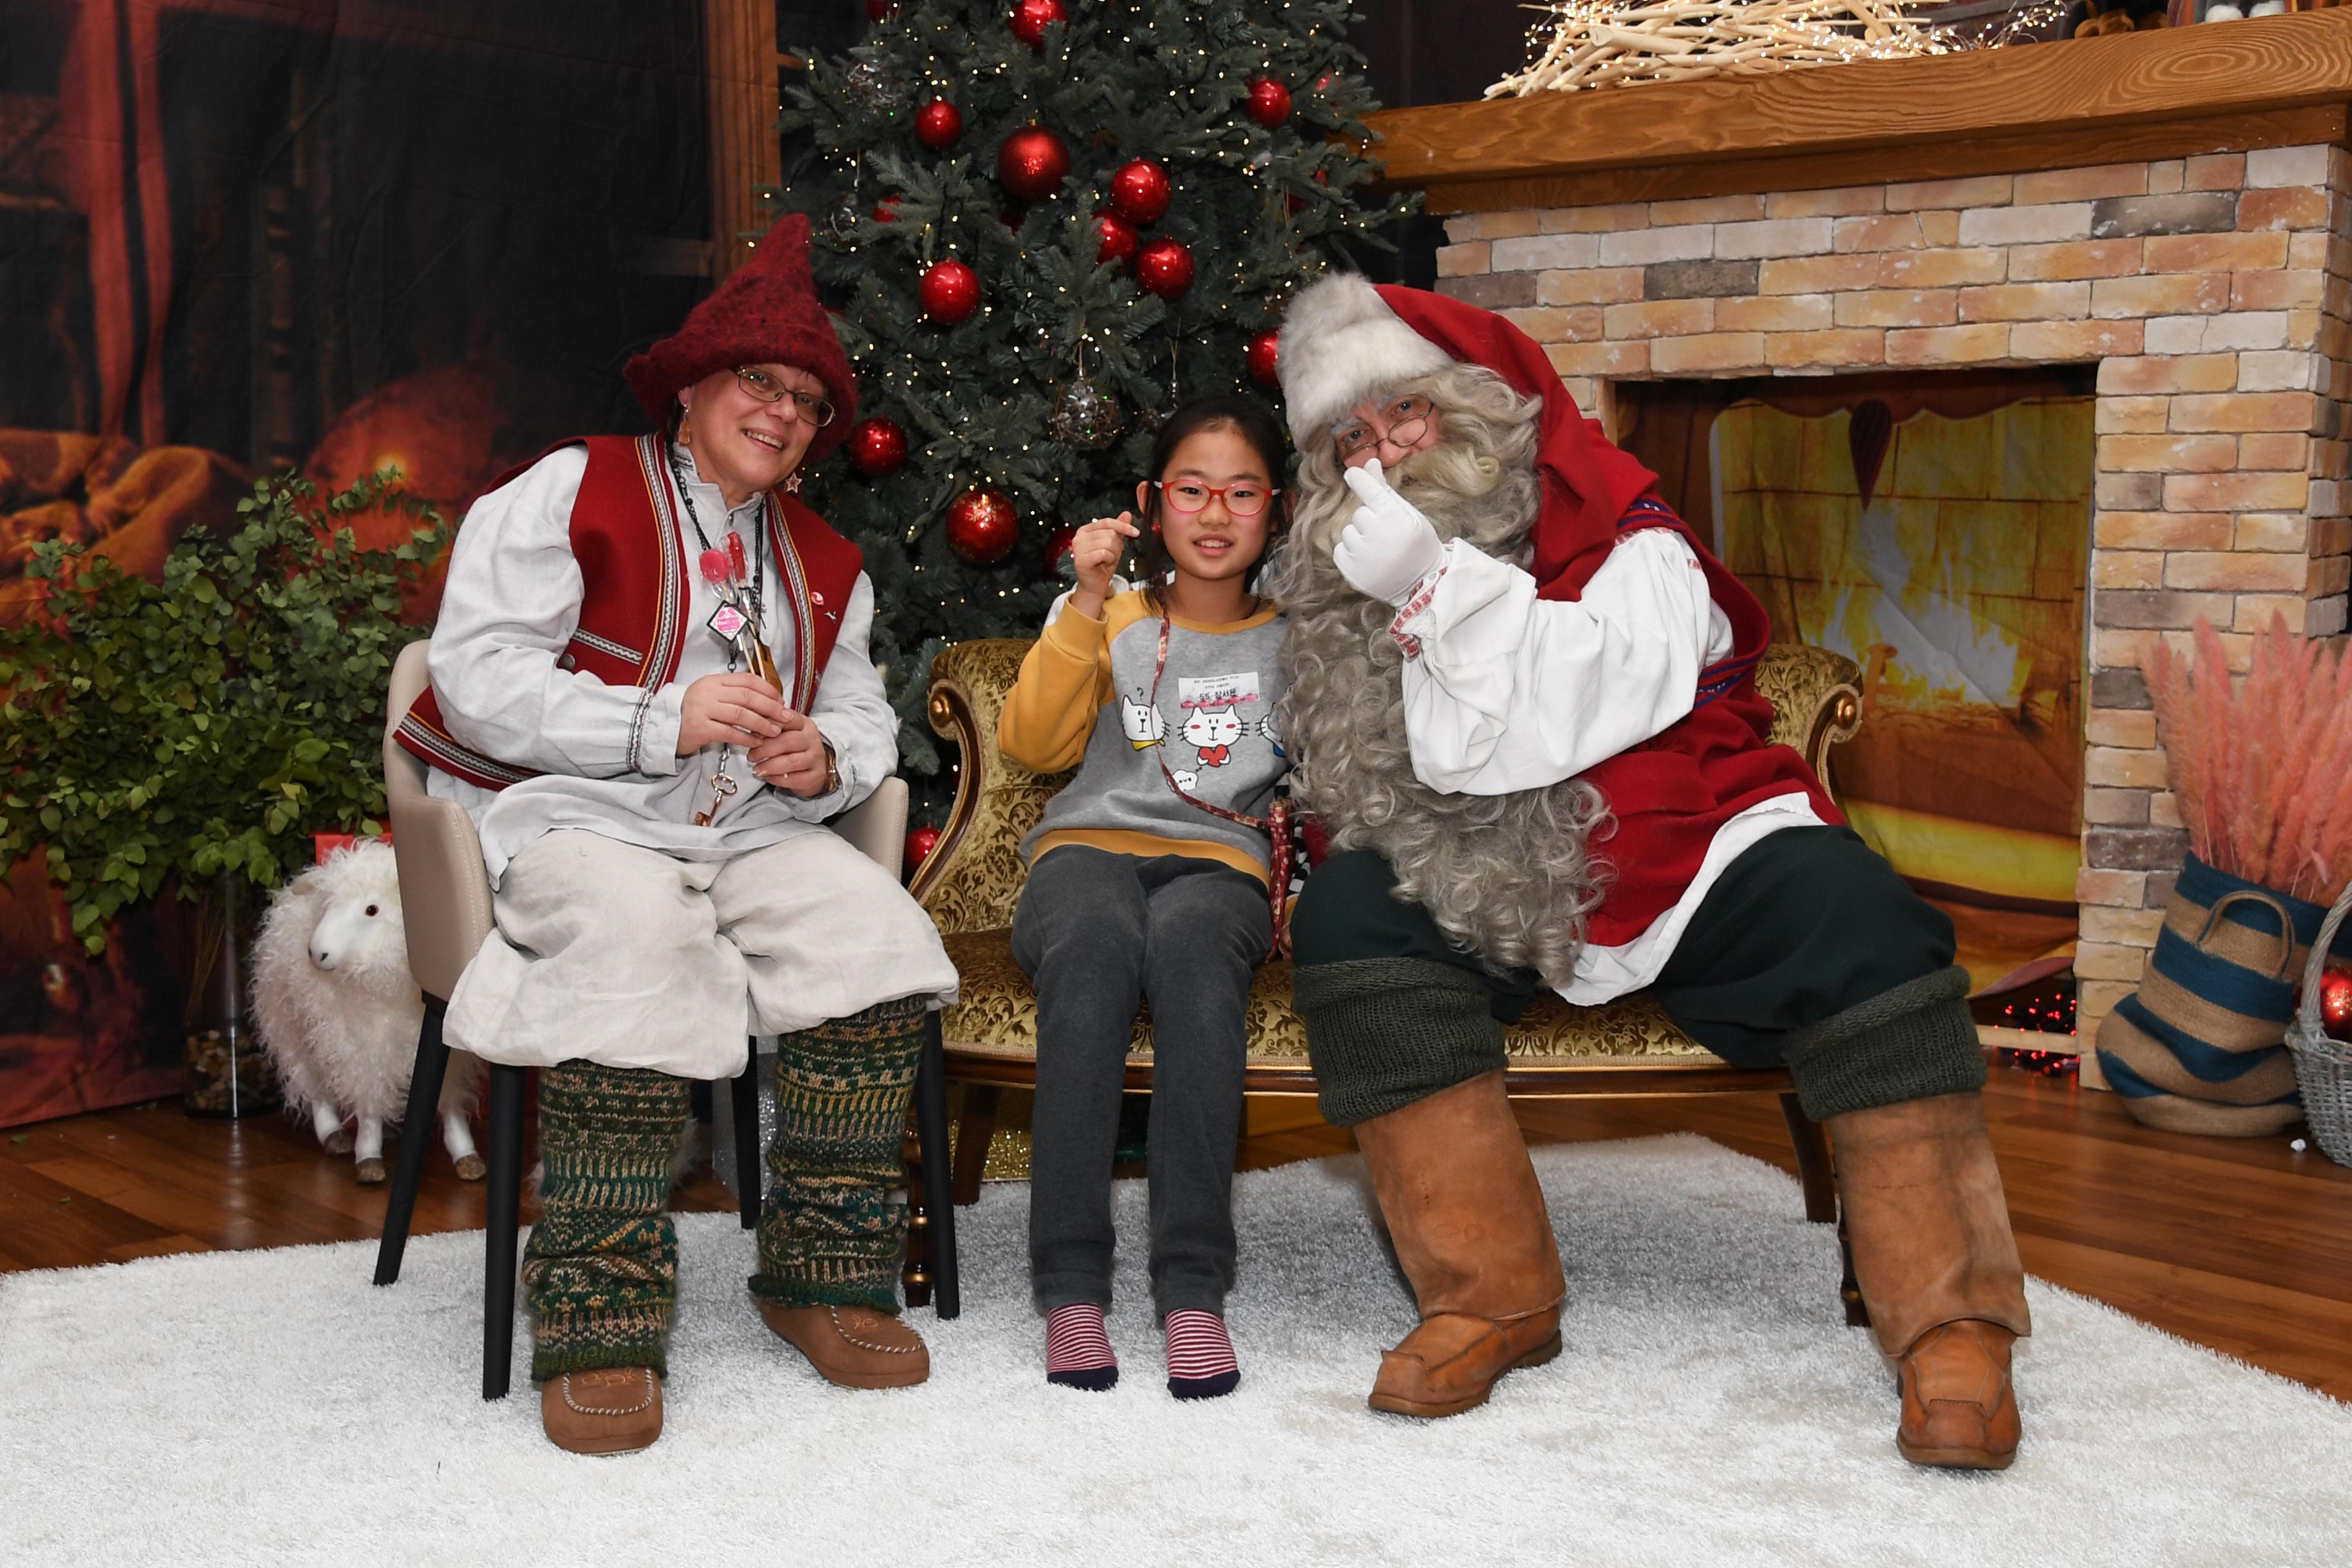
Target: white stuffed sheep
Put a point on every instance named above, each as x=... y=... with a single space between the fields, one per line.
x=340 y=1012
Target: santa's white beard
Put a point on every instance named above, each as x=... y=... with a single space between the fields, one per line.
x=1507 y=876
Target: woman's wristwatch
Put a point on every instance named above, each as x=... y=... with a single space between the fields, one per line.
x=832 y=770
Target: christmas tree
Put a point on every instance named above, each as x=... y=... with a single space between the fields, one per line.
x=1043 y=223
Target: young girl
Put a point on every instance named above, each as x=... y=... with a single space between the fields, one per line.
x=1148 y=879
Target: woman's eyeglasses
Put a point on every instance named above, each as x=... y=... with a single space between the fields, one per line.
x=1407 y=419
x=1246 y=499
x=768 y=389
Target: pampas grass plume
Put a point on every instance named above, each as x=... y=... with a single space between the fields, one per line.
x=2262 y=768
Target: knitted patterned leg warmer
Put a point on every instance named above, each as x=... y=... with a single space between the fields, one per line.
x=599 y=1273
x=829 y=1234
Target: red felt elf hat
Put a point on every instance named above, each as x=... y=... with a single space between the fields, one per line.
x=767 y=312
x=1346 y=339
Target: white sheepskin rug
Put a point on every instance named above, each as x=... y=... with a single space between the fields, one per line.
x=1710 y=1409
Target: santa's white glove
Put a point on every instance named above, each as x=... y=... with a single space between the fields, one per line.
x=1389 y=546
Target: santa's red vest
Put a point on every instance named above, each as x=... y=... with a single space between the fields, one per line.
x=631 y=539
x=1670 y=795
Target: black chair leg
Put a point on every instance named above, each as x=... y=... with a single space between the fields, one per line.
x=1812 y=1147
x=750 y=1158
x=505 y=1218
x=939 y=1172
x=415 y=1138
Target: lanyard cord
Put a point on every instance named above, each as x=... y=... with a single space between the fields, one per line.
x=759 y=585
x=1275 y=823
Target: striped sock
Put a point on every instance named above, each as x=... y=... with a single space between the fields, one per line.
x=1077 y=1350
x=1201 y=1363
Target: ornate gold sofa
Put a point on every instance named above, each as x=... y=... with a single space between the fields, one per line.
x=973 y=877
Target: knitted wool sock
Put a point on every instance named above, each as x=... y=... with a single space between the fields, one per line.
x=829 y=1234
x=600 y=1272
x=1077 y=1350
x=1201 y=1363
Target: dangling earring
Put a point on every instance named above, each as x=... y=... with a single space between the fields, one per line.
x=685 y=426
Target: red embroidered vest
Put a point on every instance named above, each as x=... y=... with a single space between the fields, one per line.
x=630 y=535
x=1671 y=794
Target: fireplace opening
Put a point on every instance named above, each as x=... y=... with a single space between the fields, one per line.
x=1936 y=529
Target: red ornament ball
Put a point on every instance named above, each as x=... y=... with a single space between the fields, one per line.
x=938 y=125
x=1033 y=164
x=1120 y=237
x=982 y=526
x=881 y=10
x=1261 y=357
x=877 y=446
x=1165 y=266
x=1058 y=546
x=1269 y=103
x=921 y=840
x=2335 y=1003
x=949 y=292
x=1031 y=17
x=887 y=210
x=1140 y=191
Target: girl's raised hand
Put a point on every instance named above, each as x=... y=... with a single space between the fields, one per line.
x=1095 y=551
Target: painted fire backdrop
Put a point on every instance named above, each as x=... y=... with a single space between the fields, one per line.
x=242 y=235
x=1937 y=531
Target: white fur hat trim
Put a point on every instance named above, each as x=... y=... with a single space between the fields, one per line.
x=1339 y=341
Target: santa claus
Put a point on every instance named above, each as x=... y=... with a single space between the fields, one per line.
x=1522 y=708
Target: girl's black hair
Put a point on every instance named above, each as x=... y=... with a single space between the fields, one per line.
x=1254 y=423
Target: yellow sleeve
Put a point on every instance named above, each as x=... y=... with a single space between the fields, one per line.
x=1063 y=685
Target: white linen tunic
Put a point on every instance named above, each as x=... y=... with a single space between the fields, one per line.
x=1510 y=693
x=621 y=937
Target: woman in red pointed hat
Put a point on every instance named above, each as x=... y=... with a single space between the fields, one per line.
x=650 y=689
x=1523 y=706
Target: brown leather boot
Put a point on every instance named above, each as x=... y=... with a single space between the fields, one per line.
x=612 y=1410
x=1459 y=1194
x=1938 y=1270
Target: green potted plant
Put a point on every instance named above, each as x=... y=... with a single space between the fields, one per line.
x=191 y=734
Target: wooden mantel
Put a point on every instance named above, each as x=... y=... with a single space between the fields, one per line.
x=2268 y=82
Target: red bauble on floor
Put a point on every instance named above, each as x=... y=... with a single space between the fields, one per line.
x=1165 y=266
x=938 y=125
x=1261 y=357
x=922 y=839
x=877 y=446
x=1269 y=103
x=1031 y=17
x=1140 y=191
x=949 y=292
x=982 y=526
x=1033 y=164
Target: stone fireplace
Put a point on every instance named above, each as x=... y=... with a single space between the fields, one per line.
x=2204 y=268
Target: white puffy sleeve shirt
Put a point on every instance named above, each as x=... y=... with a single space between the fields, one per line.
x=1505 y=691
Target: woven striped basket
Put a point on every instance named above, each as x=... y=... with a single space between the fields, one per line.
x=2323 y=1066
x=2200 y=1046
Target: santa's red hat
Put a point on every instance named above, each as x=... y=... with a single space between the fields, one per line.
x=765 y=313
x=1346 y=339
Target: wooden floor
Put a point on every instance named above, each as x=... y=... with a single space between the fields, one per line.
x=2241 y=1246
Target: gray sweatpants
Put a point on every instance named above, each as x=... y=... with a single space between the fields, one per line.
x=1098 y=932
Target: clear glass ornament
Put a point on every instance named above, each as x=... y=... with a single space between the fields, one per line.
x=1085 y=416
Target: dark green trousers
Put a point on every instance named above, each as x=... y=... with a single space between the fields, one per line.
x=1807 y=953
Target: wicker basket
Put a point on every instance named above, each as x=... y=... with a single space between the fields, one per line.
x=2322 y=1067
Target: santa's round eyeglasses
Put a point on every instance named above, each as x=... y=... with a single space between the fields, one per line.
x=1406 y=420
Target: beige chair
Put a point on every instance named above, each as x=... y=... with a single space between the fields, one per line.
x=444 y=900
x=973 y=880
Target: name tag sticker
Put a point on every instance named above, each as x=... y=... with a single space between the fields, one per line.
x=727 y=621
x=1217 y=691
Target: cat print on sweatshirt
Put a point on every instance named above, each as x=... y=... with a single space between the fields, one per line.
x=1143 y=726
x=1213 y=731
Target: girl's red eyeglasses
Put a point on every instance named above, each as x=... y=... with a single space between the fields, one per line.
x=1243 y=499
